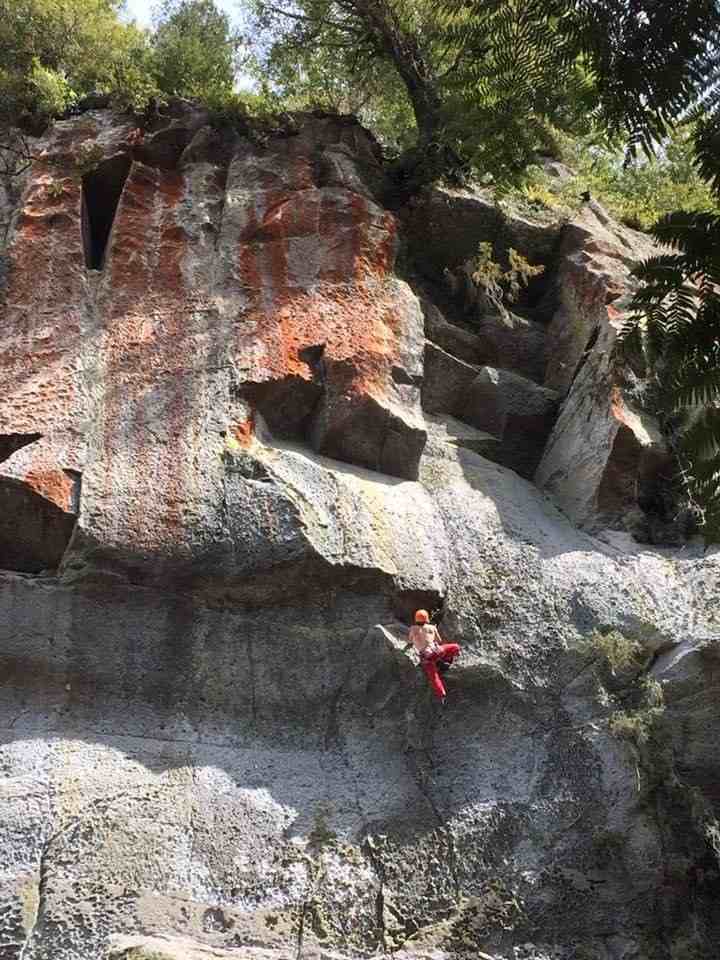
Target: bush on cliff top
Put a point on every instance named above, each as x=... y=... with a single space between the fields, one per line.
x=637 y=194
x=55 y=52
x=484 y=81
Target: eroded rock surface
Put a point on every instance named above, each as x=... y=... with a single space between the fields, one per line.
x=606 y=457
x=212 y=739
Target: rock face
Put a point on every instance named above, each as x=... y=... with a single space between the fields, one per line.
x=222 y=502
x=606 y=456
x=515 y=410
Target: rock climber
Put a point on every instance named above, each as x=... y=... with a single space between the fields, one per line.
x=435 y=656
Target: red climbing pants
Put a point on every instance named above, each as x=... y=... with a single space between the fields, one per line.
x=445 y=651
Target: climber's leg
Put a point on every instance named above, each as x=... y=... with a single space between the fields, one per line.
x=431 y=672
x=448 y=651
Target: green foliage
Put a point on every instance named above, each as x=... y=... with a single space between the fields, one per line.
x=194 y=49
x=325 y=68
x=618 y=651
x=637 y=194
x=638 y=725
x=642 y=192
x=639 y=698
x=517 y=74
x=485 y=83
x=55 y=189
x=501 y=286
x=53 y=52
x=651 y=61
x=676 y=332
x=53 y=93
x=629 y=68
x=245 y=112
x=411 y=72
x=519 y=274
x=131 y=81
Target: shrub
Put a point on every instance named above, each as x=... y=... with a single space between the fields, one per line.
x=637 y=194
x=638 y=724
x=616 y=650
x=53 y=93
x=496 y=285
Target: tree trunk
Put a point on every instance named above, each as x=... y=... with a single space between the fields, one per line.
x=410 y=63
x=430 y=158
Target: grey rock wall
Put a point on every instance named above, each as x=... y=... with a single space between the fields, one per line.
x=213 y=742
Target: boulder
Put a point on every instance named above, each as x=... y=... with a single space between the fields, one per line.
x=309 y=256
x=606 y=463
x=446 y=380
x=594 y=264
x=516 y=411
x=459 y=341
x=513 y=343
x=556 y=169
x=504 y=340
x=605 y=455
x=447 y=432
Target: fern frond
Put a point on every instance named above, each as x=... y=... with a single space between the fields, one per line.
x=697 y=384
x=701 y=442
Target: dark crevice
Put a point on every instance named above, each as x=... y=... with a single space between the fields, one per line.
x=378 y=866
x=34 y=531
x=101 y=191
x=401 y=376
x=406 y=602
x=12 y=442
x=593 y=339
x=313 y=356
x=286 y=405
x=164 y=148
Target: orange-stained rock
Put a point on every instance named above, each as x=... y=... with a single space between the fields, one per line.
x=325 y=326
x=257 y=286
x=57 y=486
x=595 y=261
x=243 y=431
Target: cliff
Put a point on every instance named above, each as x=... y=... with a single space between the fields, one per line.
x=247 y=427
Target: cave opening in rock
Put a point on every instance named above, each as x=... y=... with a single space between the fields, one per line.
x=101 y=191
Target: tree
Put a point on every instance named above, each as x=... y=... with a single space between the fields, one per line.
x=341 y=79
x=53 y=52
x=676 y=332
x=483 y=77
x=194 y=49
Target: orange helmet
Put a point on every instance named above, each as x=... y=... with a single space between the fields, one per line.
x=422 y=616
